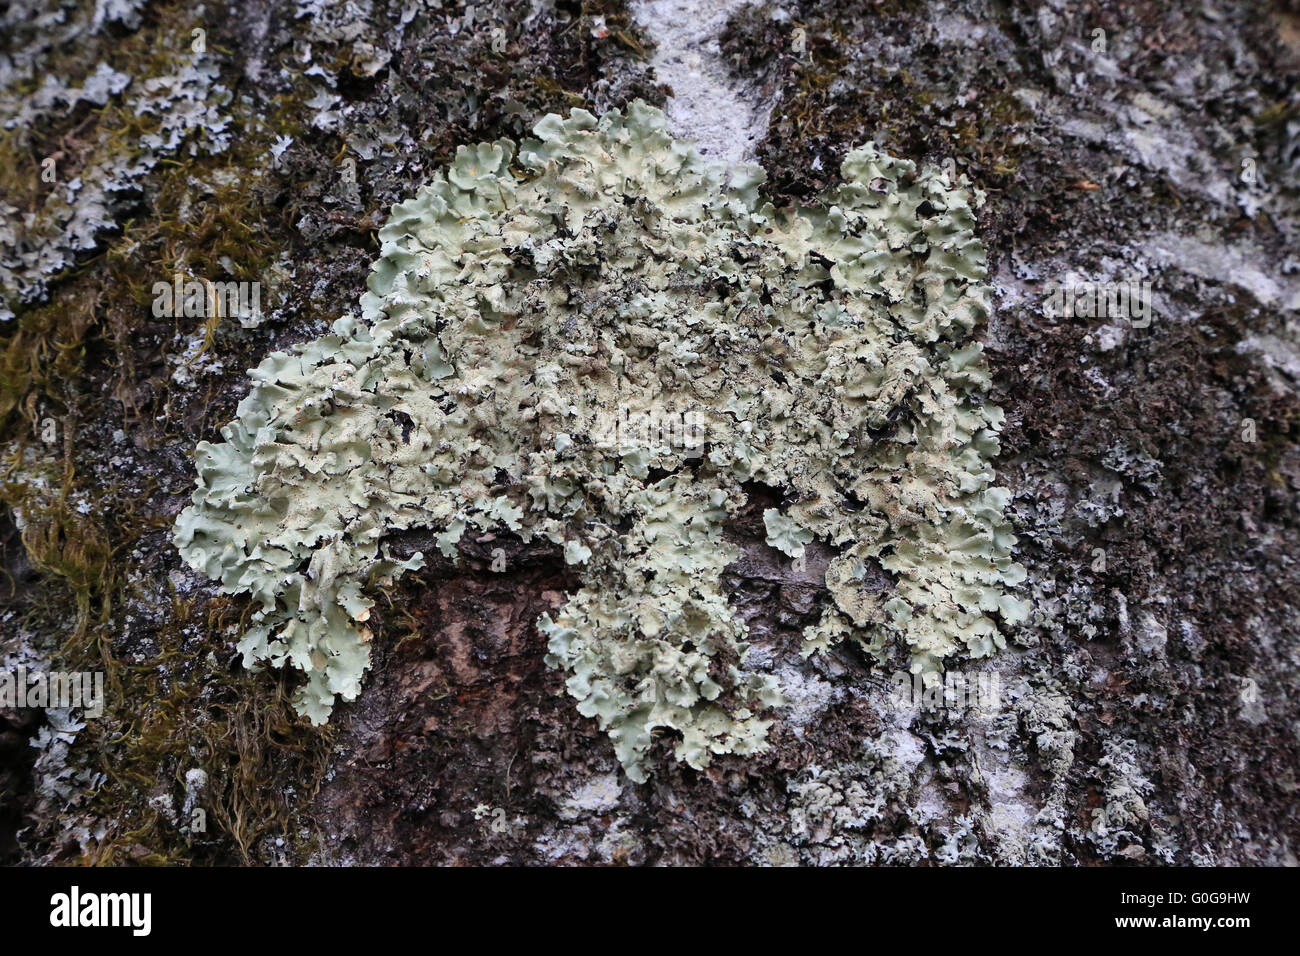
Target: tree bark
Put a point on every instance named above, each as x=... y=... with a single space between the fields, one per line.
x=1149 y=706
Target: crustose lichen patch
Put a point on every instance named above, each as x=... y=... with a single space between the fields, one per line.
x=603 y=269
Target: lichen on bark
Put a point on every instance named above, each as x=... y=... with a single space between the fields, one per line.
x=520 y=303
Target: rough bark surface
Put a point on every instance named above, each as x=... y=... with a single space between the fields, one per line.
x=1150 y=704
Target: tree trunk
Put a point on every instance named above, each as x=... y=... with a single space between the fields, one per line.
x=1148 y=706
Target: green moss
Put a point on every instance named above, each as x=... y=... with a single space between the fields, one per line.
x=202 y=218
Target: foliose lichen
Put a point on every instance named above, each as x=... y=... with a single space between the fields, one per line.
x=529 y=300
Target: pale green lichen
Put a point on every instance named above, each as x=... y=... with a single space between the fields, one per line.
x=519 y=302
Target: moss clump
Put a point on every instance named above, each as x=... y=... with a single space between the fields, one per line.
x=80 y=357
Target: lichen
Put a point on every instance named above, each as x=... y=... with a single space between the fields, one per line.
x=528 y=294
x=183 y=114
